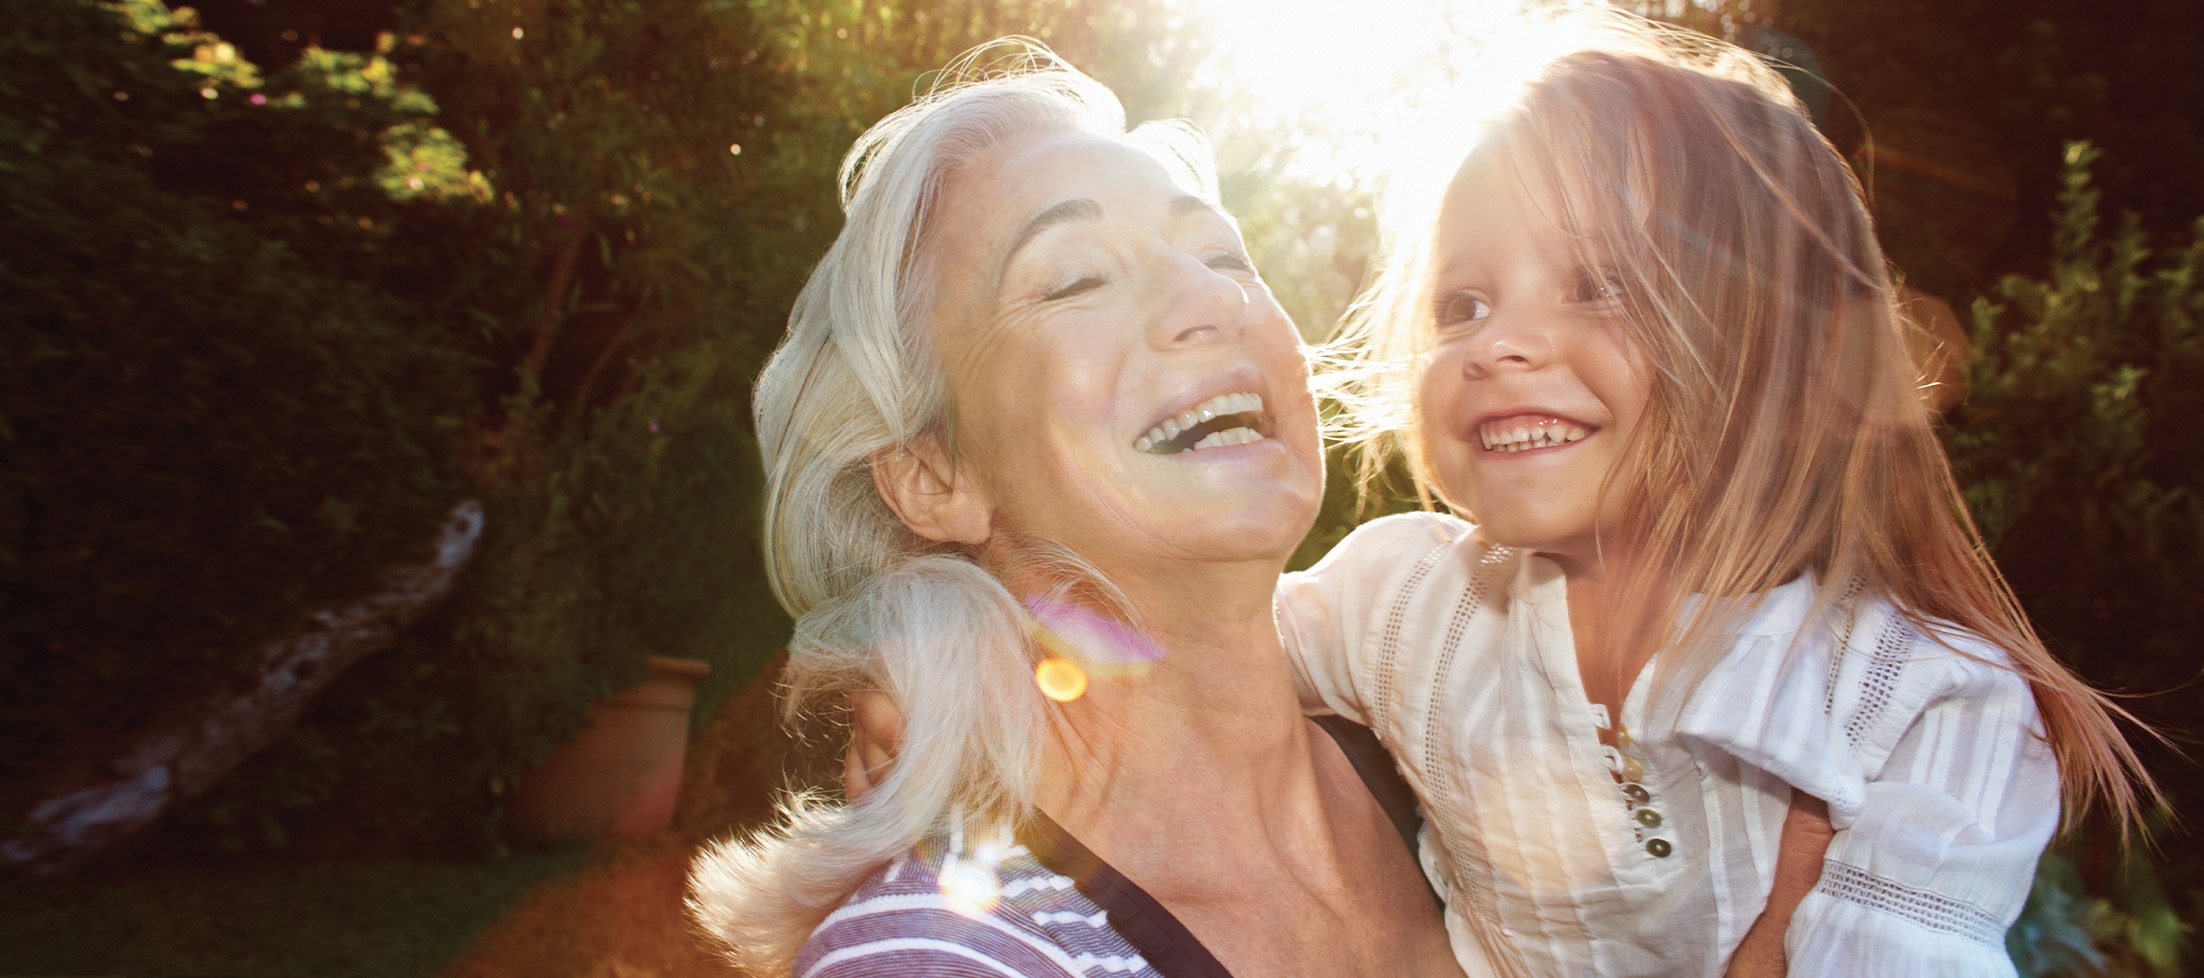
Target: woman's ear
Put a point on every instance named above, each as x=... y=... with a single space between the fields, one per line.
x=919 y=482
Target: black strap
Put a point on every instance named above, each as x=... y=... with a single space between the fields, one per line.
x=1171 y=949
x=1144 y=922
x=1375 y=764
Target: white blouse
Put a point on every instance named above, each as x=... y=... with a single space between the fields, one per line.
x=1559 y=855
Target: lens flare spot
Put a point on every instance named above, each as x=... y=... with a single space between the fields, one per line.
x=1060 y=679
x=972 y=888
x=1100 y=645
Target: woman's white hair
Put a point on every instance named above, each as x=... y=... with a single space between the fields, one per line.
x=876 y=606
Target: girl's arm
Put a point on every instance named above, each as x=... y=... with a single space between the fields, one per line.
x=1325 y=612
x=1960 y=798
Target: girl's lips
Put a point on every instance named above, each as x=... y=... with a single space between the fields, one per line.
x=1523 y=431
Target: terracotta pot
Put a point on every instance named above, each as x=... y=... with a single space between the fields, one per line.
x=622 y=774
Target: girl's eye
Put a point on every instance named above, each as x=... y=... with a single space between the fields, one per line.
x=1461 y=307
x=1082 y=284
x=1597 y=285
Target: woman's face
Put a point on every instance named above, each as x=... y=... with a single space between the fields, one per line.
x=1121 y=380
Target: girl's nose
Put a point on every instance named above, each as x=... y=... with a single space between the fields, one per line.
x=1202 y=304
x=1517 y=343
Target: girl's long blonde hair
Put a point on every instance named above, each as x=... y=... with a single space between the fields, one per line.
x=1783 y=434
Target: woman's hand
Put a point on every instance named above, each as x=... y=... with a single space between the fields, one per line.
x=1806 y=835
x=876 y=735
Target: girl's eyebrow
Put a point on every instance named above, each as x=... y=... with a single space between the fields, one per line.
x=1062 y=212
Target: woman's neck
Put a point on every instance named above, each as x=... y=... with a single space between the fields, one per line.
x=1213 y=727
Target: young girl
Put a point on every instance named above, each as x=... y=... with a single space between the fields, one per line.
x=1710 y=553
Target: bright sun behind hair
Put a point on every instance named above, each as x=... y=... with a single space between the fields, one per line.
x=1339 y=75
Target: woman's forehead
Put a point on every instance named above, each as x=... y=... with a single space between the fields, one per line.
x=1022 y=187
x=1031 y=173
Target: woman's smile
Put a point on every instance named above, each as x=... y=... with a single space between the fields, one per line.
x=1226 y=419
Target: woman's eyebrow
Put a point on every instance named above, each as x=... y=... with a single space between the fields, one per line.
x=1062 y=212
x=1188 y=204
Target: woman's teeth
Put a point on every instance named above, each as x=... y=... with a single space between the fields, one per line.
x=1229 y=436
x=1517 y=436
x=1227 y=419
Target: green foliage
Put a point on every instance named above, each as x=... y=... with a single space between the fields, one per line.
x=2075 y=448
x=2065 y=931
x=204 y=431
x=592 y=256
x=643 y=543
x=351 y=918
x=2079 y=464
x=649 y=185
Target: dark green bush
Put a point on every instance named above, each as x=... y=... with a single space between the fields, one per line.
x=202 y=432
x=2079 y=456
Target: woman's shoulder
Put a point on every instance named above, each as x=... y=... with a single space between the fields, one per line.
x=954 y=910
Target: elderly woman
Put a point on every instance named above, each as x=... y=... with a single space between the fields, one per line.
x=1039 y=443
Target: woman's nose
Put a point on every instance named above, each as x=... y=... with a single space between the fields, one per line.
x=1201 y=304
x=1514 y=343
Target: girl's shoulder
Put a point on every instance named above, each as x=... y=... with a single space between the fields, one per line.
x=1893 y=665
x=1394 y=565
x=1402 y=538
x=1822 y=692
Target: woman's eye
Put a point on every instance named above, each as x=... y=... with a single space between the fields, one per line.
x=1460 y=308
x=1084 y=283
x=1597 y=285
x=1232 y=260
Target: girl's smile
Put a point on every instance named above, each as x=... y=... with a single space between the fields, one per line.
x=1530 y=431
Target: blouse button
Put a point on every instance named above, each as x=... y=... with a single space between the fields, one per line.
x=1658 y=847
x=1636 y=792
x=1649 y=818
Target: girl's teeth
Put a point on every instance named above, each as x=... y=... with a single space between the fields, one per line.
x=1522 y=438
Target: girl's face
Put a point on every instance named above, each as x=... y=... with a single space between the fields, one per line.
x=1531 y=388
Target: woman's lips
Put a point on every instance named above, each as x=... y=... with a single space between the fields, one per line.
x=1226 y=419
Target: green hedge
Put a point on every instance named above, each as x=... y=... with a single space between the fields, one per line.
x=201 y=432
x=2078 y=451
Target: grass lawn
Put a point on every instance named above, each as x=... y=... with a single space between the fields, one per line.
x=391 y=918
x=611 y=909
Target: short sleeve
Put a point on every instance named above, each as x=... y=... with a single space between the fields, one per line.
x=1325 y=612
x=1931 y=871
